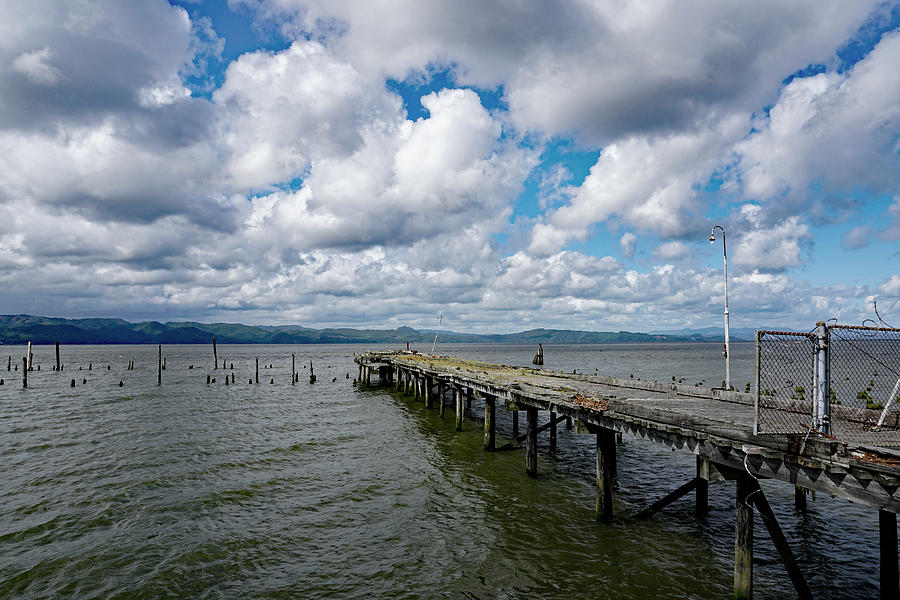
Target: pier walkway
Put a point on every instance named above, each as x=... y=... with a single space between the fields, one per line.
x=714 y=425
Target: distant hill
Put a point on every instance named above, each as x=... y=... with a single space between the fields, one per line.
x=714 y=334
x=20 y=329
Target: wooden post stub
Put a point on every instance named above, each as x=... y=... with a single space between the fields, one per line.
x=701 y=507
x=606 y=460
x=515 y=422
x=552 y=431
x=890 y=580
x=490 y=408
x=531 y=415
x=159 y=365
x=25 y=373
x=429 y=397
x=215 y=354
x=457 y=390
x=743 y=538
x=57 y=356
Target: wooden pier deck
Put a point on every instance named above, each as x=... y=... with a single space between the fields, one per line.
x=714 y=425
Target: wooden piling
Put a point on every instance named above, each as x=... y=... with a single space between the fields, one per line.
x=701 y=507
x=531 y=415
x=30 y=357
x=312 y=375
x=890 y=580
x=57 y=356
x=441 y=402
x=25 y=372
x=606 y=460
x=743 y=538
x=159 y=366
x=515 y=422
x=215 y=354
x=9 y=362
x=799 y=498
x=429 y=397
x=257 y=370
x=552 y=430
x=459 y=407
x=293 y=368
x=490 y=404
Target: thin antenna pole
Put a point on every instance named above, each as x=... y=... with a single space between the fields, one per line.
x=440 y=320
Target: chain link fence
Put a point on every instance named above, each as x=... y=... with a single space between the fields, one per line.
x=838 y=380
x=784 y=381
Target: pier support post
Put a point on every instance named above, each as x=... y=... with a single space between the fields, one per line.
x=293 y=368
x=417 y=383
x=257 y=370
x=215 y=355
x=440 y=398
x=799 y=498
x=469 y=394
x=57 y=356
x=25 y=373
x=743 y=538
x=606 y=461
x=552 y=431
x=515 y=422
x=490 y=411
x=429 y=397
x=531 y=415
x=458 y=392
x=159 y=366
x=890 y=580
x=701 y=507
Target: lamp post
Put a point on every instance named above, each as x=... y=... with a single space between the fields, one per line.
x=440 y=320
x=712 y=240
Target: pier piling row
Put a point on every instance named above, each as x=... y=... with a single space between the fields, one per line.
x=717 y=426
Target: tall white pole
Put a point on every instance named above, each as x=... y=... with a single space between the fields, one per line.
x=712 y=238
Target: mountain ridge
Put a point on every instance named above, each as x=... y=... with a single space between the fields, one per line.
x=20 y=329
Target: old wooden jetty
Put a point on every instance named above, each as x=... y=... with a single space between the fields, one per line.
x=716 y=426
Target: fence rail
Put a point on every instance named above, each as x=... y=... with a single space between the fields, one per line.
x=836 y=380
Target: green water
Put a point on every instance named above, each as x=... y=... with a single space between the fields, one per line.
x=275 y=490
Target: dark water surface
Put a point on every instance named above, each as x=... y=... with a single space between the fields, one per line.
x=192 y=490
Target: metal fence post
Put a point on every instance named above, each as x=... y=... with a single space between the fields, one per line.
x=821 y=405
x=759 y=335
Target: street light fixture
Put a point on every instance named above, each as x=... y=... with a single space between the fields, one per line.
x=712 y=240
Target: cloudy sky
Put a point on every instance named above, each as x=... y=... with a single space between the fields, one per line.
x=509 y=164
